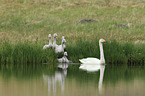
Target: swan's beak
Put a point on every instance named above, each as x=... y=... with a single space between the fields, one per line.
x=104 y=40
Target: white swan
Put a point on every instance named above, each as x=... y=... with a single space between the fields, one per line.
x=95 y=60
x=50 y=43
x=60 y=48
x=54 y=41
x=64 y=59
x=64 y=46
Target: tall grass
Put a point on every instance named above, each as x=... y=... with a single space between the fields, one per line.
x=25 y=53
x=115 y=53
x=32 y=53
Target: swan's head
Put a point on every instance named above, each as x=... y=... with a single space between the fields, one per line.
x=55 y=35
x=62 y=37
x=49 y=35
x=65 y=53
x=63 y=40
x=102 y=40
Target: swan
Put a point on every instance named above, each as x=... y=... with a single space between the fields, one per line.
x=50 y=43
x=60 y=48
x=95 y=60
x=54 y=41
x=64 y=46
x=64 y=59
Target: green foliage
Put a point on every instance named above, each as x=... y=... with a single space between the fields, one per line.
x=25 y=53
x=115 y=53
x=32 y=52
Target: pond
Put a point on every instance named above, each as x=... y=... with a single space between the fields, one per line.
x=69 y=80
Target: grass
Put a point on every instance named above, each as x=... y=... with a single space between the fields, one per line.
x=115 y=53
x=25 y=53
x=32 y=53
x=26 y=22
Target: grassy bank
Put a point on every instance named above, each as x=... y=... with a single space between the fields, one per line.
x=23 y=21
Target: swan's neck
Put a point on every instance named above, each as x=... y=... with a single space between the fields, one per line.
x=65 y=59
x=101 y=53
x=54 y=42
x=62 y=43
x=50 y=40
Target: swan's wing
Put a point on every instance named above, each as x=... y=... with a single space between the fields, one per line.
x=84 y=61
x=45 y=46
x=54 y=45
x=89 y=60
x=59 y=49
x=60 y=60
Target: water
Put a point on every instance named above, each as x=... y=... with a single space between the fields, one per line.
x=69 y=80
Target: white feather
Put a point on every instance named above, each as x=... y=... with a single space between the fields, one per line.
x=90 y=60
x=60 y=48
x=54 y=41
x=50 y=43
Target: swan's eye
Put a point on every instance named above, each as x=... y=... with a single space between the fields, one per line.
x=104 y=41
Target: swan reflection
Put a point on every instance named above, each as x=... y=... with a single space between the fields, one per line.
x=58 y=77
x=94 y=68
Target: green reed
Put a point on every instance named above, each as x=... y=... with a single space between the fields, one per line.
x=25 y=53
x=32 y=52
x=115 y=53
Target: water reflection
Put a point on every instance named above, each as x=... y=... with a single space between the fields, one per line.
x=59 y=77
x=29 y=80
x=94 y=68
